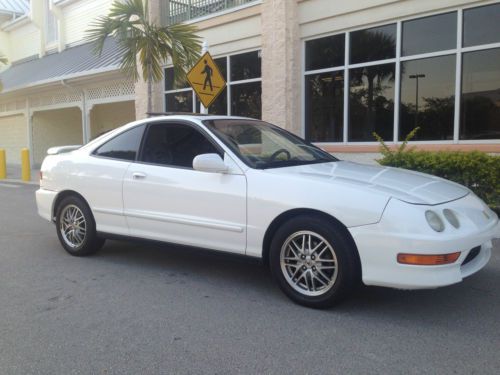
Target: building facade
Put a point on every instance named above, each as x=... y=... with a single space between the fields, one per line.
x=55 y=89
x=332 y=71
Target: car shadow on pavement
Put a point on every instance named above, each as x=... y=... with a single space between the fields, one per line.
x=470 y=297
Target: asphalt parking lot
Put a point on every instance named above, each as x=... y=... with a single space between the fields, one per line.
x=147 y=309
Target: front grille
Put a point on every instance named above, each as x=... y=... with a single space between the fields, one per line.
x=472 y=254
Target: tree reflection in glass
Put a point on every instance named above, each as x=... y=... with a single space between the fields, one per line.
x=480 y=105
x=371 y=95
x=324 y=105
x=427 y=98
x=371 y=102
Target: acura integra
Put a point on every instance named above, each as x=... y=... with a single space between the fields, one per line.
x=244 y=186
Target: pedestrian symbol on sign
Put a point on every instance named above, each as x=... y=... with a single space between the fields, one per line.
x=207 y=70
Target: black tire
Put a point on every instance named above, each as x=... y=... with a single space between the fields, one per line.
x=90 y=242
x=341 y=268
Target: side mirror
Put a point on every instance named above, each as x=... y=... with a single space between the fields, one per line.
x=209 y=163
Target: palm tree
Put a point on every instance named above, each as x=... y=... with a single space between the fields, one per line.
x=4 y=61
x=141 y=41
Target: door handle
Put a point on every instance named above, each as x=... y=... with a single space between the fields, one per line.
x=138 y=175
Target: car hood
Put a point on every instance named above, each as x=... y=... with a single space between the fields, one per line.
x=409 y=186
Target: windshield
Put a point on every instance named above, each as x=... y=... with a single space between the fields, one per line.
x=261 y=145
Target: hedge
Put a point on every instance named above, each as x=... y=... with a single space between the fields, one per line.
x=478 y=171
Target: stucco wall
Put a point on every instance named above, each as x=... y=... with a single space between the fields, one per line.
x=13 y=137
x=105 y=117
x=55 y=128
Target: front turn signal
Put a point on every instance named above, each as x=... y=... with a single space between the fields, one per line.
x=428 y=260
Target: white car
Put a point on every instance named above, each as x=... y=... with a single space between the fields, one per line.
x=244 y=186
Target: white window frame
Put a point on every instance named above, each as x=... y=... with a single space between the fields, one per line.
x=49 y=15
x=457 y=51
x=229 y=82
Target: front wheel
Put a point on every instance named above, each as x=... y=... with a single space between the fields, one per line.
x=76 y=227
x=313 y=261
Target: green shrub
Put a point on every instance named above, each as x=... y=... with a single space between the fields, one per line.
x=478 y=171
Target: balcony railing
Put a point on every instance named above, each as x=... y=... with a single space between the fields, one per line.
x=184 y=10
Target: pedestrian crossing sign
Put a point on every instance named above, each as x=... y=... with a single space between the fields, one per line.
x=206 y=80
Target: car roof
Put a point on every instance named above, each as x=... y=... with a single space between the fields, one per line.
x=191 y=116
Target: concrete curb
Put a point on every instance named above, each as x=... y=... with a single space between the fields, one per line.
x=16 y=181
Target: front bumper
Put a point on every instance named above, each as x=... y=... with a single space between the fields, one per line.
x=401 y=230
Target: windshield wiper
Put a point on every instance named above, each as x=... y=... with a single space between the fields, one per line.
x=293 y=163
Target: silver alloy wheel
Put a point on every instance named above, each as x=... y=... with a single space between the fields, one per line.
x=73 y=226
x=309 y=263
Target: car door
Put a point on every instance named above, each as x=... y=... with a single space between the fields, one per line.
x=166 y=199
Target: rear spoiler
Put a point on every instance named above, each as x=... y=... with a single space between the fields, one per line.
x=62 y=149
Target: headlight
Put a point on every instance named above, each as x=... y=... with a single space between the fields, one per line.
x=451 y=217
x=434 y=221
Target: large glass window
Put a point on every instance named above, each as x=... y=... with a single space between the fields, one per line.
x=377 y=43
x=371 y=102
x=428 y=98
x=179 y=101
x=347 y=102
x=480 y=104
x=325 y=107
x=482 y=25
x=325 y=52
x=245 y=66
x=243 y=89
x=429 y=34
x=246 y=100
x=124 y=146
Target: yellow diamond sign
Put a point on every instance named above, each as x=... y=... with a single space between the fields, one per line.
x=206 y=80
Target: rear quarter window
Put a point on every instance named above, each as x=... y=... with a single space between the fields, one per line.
x=124 y=146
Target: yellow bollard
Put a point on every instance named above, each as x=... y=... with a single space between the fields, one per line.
x=3 y=164
x=25 y=165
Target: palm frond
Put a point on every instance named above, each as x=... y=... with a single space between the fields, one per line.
x=141 y=41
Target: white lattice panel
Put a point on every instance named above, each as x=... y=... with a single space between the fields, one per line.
x=110 y=90
x=59 y=97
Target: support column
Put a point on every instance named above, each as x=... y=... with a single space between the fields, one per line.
x=281 y=80
x=86 y=109
x=141 y=87
x=29 y=115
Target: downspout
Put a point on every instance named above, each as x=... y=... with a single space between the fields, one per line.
x=85 y=122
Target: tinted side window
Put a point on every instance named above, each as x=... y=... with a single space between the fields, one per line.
x=124 y=146
x=175 y=145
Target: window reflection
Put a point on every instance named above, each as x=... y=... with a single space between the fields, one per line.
x=221 y=63
x=325 y=52
x=480 y=104
x=482 y=25
x=325 y=107
x=245 y=66
x=428 y=98
x=246 y=100
x=371 y=102
x=179 y=101
x=377 y=43
x=170 y=84
x=219 y=106
x=430 y=34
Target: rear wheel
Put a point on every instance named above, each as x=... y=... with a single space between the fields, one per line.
x=313 y=261
x=76 y=227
